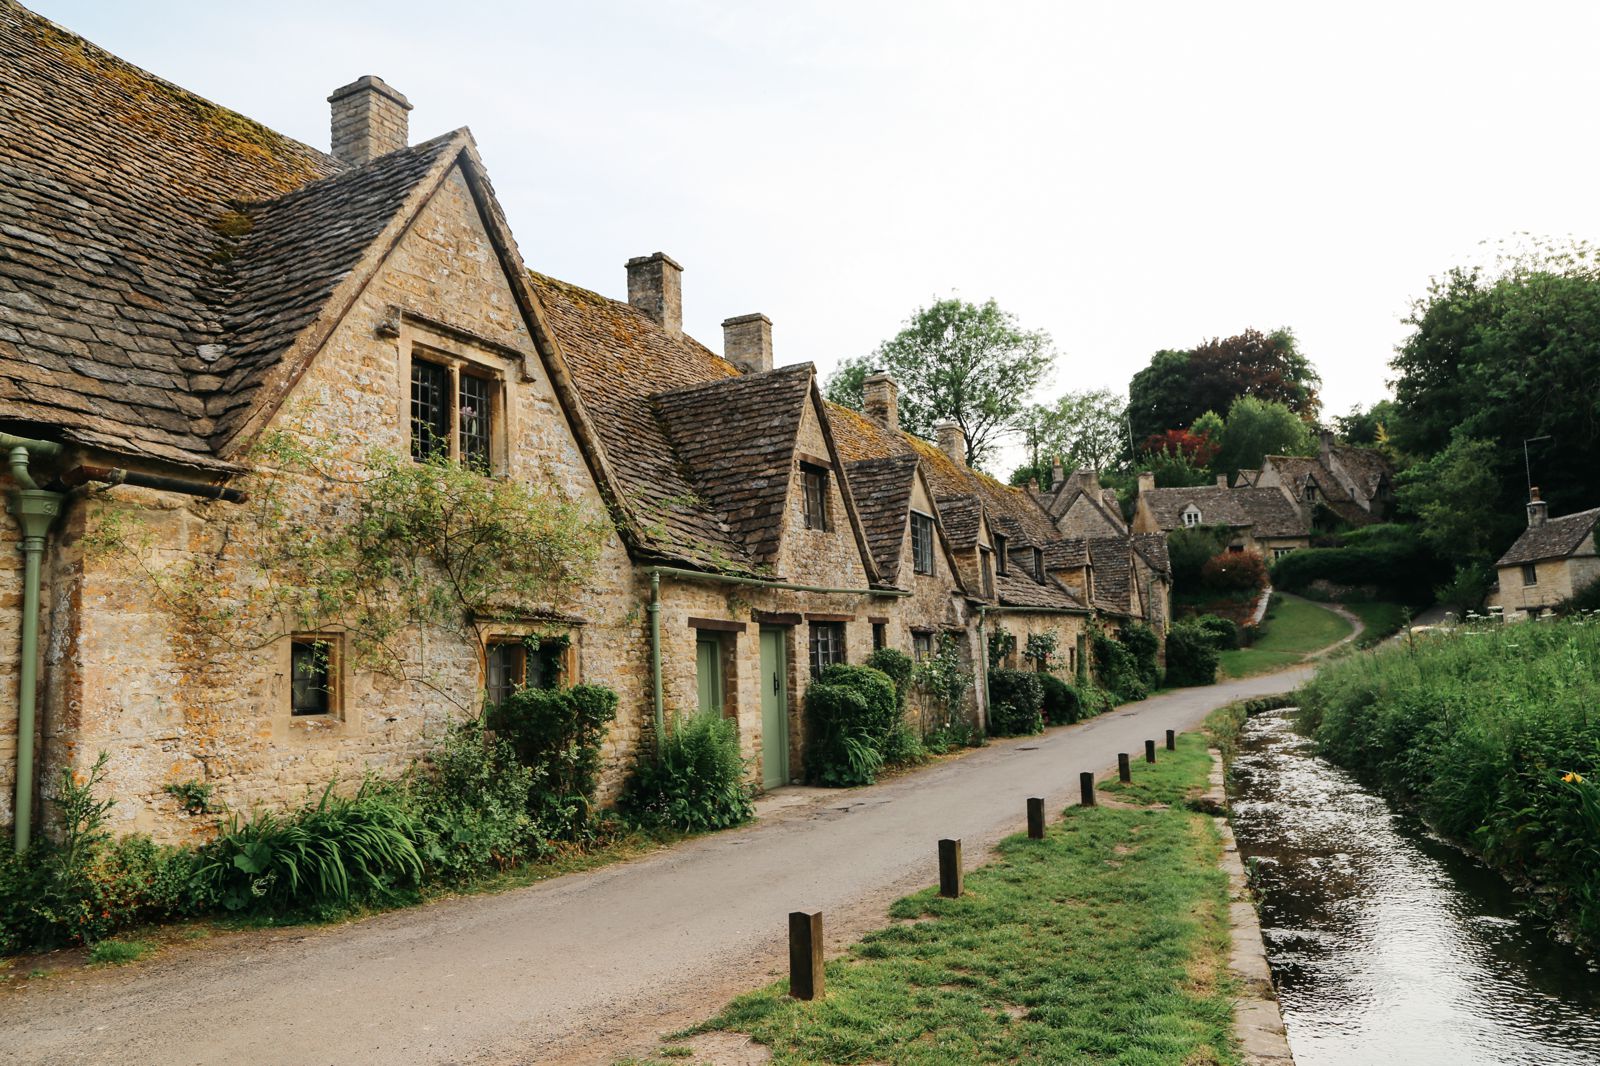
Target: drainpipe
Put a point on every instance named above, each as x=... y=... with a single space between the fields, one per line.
x=983 y=670
x=35 y=510
x=720 y=579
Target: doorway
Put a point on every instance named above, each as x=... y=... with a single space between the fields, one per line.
x=774 y=706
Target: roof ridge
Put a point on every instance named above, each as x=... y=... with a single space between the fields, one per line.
x=761 y=377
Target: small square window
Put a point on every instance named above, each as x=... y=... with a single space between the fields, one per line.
x=922 y=543
x=827 y=646
x=512 y=664
x=313 y=675
x=921 y=646
x=880 y=636
x=1530 y=574
x=814 y=481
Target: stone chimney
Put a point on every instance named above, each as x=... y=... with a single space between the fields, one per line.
x=1538 y=510
x=747 y=342
x=655 y=286
x=1058 y=474
x=1147 y=482
x=952 y=441
x=369 y=120
x=1088 y=479
x=1222 y=481
x=881 y=400
x=1324 y=445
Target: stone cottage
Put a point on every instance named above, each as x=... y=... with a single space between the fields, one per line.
x=1263 y=520
x=1551 y=561
x=220 y=348
x=1340 y=485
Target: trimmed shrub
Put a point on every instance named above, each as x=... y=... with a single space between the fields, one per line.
x=471 y=805
x=1061 y=705
x=334 y=851
x=850 y=711
x=1016 y=701
x=1231 y=571
x=697 y=783
x=1224 y=633
x=557 y=733
x=1191 y=655
x=1389 y=557
x=898 y=665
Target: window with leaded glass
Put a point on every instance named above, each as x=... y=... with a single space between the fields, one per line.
x=814 y=482
x=922 y=543
x=827 y=646
x=452 y=413
x=313 y=674
x=512 y=664
x=921 y=646
x=430 y=410
x=999 y=554
x=1038 y=564
x=987 y=567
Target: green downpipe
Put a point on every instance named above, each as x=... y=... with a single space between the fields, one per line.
x=35 y=510
x=655 y=659
x=983 y=668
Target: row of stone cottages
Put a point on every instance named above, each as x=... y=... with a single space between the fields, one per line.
x=177 y=281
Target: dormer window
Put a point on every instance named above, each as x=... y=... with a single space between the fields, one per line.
x=453 y=412
x=814 y=483
x=921 y=543
x=1309 y=491
x=1038 y=565
x=1000 y=555
x=987 y=569
x=1191 y=516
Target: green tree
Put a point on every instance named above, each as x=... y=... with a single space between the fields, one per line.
x=846 y=385
x=1452 y=496
x=1083 y=428
x=1371 y=426
x=1178 y=387
x=1258 y=428
x=1506 y=356
x=968 y=363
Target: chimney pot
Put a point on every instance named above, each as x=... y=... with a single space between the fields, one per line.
x=952 y=441
x=368 y=120
x=655 y=286
x=1538 y=510
x=747 y=342
x=881 y=400
x=1058 y=474
x=1147 y=481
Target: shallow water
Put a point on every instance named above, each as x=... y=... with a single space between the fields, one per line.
x=1388 y=945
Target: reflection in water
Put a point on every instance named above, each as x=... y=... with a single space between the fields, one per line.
x=1388 y=945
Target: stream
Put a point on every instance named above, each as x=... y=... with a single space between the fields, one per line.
x=1387 y=944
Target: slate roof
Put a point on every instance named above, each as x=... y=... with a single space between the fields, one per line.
x=1295 y=469
x=1265 y=512
x=962 y=517
x=1367 y=467
x=1112 y=561
x=1246 y=479
x=1068 y=553
x=1153 y=548
x=1017 y=588
x=736 y=438
x=1556 y=539
x=158 y=253
x=882 y=488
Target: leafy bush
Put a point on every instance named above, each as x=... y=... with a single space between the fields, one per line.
x=1061 y=704
x=850 y=711
x=1143 y=644
x=333 y=851
x=1491 y=733
x=1188 y=551
x=1390 y=557
x=697 y=783
x=902 y=747
x=1002 y=643
x=1117 y=670
x=85 y=886
x=1224 y=633
x=943 y=678
x=557 y=734
x=471 y=806
x=1016 y=701
x=1231 y=571
x=1191 y=655
x=1585 y=599
x=898 y=665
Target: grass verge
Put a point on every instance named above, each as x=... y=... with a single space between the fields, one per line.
x=1106 y=941
x=1175 y=775
x=1382 y=620
x=117 y=952
x=1298 y=628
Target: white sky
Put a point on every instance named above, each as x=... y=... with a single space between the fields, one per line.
x=1126 y=176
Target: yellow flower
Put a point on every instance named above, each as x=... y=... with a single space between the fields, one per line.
x=1573 y=779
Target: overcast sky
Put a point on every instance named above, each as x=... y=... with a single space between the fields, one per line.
x=1127 y=177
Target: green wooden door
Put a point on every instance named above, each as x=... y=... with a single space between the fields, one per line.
x=774 y=708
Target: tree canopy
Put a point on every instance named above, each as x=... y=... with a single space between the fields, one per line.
x=969 y=363
x=1179 y=386
x=1083 y=428
x=1257 y=428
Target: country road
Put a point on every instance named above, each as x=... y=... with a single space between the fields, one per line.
x=588 y=966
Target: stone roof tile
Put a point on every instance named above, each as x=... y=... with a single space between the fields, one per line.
x=1556 y=539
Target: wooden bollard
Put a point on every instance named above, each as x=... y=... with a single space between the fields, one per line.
x=1035 y=818
x=1086 y=788
x=805 y=955
x=1124 y=774
x=950 y=869
x=1149 y=751
x=1172 y=740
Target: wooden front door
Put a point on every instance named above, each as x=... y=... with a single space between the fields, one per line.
x=774 y=707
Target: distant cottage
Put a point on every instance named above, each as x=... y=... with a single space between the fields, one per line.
x=180 y=286
x=1552 y=560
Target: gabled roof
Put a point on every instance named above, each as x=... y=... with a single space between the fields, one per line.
x=1296 y=470
x=1246 y=479
x=736 y=439
x=882 y=489
x=1017 y=588
x=1113 y=564
x=1152 y=547
x=1556 y=539
x=1265 y=512
x=962 y=517
x=1369 y=468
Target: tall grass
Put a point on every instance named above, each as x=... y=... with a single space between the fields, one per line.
x=1493 y=733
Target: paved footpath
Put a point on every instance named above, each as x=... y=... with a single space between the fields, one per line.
x=589 y=966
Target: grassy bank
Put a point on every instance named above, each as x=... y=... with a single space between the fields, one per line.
x=1108 y=940
x=1380 y=620
x=1492 y=733
x=1297 y=628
